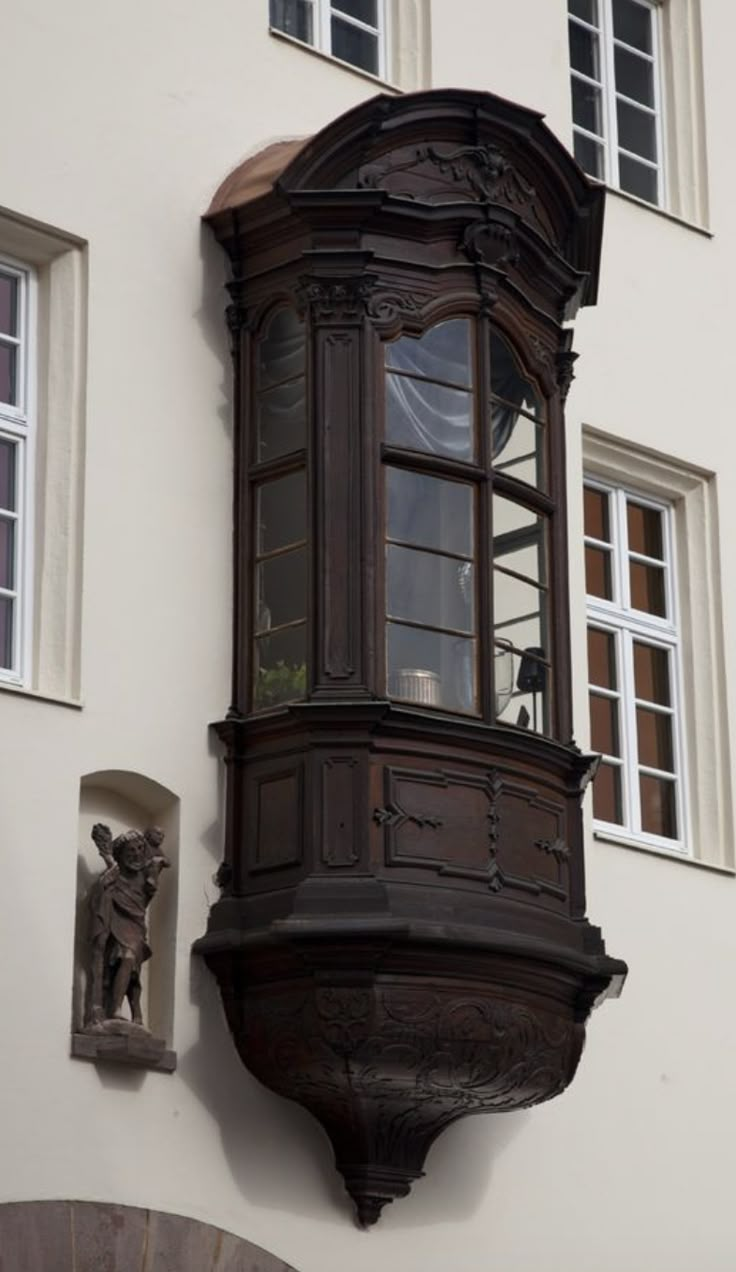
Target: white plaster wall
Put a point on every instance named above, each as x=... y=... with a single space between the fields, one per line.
x=118 y=124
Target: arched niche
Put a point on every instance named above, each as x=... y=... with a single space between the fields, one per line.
x=126 y=800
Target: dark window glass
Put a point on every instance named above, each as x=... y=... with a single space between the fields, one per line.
x=632 y=23
x=597 y=522
x=658 y=807
x=584 y=51
x=589 y=155
x=598 y=573
x=634 y=76
x=281 y=590
x=7 y=475
x=352 y=44
x=8 y=374
x=602 y=658
x=585 y=9
x=586 y=106
x=647 y=589
x=638 y=179
x=363 y=10
x=654 y=733
x=282 y=351
x=7 y=553
x=604 y=725
x=645 y=530
x=281 y=420
x=282 y=512
x=607 y=794
x=637 y=130
x=8 y=305
x=508 y=381
x=424 y=416
x=294 y=17
x=651 y=673
x=6 y=632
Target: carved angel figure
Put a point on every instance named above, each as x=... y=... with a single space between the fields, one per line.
x=118 y=901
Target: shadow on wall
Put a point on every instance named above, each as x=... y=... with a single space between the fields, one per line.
x=125 y=800
x=280 y=1157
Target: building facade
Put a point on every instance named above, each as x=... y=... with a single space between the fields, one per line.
x=117 y=441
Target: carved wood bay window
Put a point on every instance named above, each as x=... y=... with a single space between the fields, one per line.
x=401 y=936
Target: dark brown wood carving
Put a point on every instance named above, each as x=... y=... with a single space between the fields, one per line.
x=401 y=937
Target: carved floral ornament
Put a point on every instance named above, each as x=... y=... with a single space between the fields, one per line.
x=401 y=937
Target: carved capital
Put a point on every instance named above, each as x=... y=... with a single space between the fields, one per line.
x=335 y=300
x=564 y=366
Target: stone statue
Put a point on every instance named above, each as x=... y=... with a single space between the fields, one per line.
x=118 y=901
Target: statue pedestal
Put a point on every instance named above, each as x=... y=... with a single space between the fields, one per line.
x=123 y=1042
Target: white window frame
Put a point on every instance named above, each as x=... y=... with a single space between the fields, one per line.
x=627 y=625
x=322 y=13
x=609 y=95
x=18 y=426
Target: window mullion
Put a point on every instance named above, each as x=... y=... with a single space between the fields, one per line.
x=324 y=20
x=608 y=72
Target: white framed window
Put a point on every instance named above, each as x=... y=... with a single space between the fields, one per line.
x=617 y=110
x=17 y=336
x=353 y=31
x=634 y=665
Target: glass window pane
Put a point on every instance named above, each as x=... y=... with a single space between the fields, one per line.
x=430 y=512
x=6 y=632
x=637 y=130
x=597 y=524
x=280 y=667
x=586 y=106
x=7 y=553
x=602 y=658
x=607 y=795
x=632 y=23
x=651 y=673
x=509 y=382
x=282 y=512
x=589 y=155
x=647 y=588
x=282 y=352
x=363 y=10
x=598 y=573
x=658 y=806
x=527 y=704
x=634 y=76
x=435 y=590
x=294 y=17
x=353 y=45
x=281 y=590
x=654 y=733
x=519 y=539
x=8 y=374
x=7 y=475
x=442 y=353
x=604 y=735
x=427 y=417
x=518 y=444
x=585 y=9
x=282 y=420
x=431 y=668
x=584 y=51
x=519 y=612
x=636 y=178
x=645 y=530
x=8 y=304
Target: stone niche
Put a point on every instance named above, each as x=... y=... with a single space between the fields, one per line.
x=125 y=800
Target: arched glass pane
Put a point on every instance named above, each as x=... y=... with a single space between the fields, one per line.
x=429 y=400
x=281 y=398
x=517 y=415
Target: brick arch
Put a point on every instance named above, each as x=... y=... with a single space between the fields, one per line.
x=84 y=1236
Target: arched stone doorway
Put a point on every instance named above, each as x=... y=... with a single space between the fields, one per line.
x=84 y=1236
